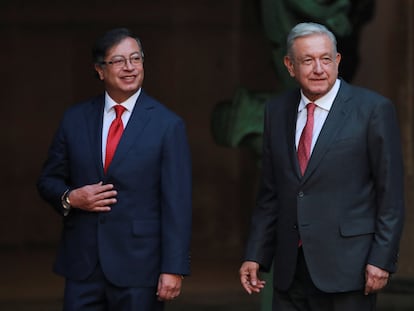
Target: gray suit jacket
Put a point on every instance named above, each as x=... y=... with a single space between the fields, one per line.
x=348 y=208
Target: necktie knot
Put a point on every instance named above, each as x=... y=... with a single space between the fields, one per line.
x=311 y=108
x=119 y=110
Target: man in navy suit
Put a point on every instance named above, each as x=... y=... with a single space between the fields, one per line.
x=332 y=226
x=126 y=223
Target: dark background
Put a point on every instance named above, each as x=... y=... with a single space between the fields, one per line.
x=196 y=54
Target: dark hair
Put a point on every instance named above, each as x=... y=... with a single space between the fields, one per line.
x=110 y=39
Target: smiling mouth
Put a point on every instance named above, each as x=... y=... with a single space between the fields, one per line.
x=318 y=80
x=128 y=78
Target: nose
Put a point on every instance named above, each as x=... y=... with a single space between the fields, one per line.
x=128 y=64
x=317 y=68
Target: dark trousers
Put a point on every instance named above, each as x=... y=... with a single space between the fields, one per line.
x=98 y=294
x=304 y=296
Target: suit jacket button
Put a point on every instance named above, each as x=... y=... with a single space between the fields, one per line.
x=301 y=194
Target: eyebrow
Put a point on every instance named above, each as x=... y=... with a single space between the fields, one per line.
x=119 y=55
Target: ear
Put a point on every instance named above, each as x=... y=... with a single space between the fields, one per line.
x=338 y=58
x=289 y=65
x=99 y=70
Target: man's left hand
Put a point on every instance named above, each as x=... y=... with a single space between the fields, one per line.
x=169 y=286
x=375 y=279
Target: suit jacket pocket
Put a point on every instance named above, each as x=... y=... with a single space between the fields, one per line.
x=145 y=228
x=358 y=226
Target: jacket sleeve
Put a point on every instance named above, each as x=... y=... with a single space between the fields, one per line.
x=176 y=193
x=52 y=182
x=387 y=167
x=261 y=241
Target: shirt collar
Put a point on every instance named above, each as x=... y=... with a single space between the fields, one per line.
x=129 y=104
x=325 y=102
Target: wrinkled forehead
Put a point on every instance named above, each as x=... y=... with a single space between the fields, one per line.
x=313 y=44
x=125 y=46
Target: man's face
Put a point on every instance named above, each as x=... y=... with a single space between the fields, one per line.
x=314 y=65
x=122 y=79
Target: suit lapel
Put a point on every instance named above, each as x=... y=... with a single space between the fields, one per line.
x=137 y=122
x=292 y=115
x=333 y=124
x=94 y=117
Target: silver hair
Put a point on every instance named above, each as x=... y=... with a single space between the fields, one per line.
x=308 y=29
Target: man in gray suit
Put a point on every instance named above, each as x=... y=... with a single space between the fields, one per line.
x=330 y=206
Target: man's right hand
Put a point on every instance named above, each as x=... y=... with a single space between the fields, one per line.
x=93 y=198
x=249 y=277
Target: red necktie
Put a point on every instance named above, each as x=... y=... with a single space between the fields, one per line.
x=114 y=135
x=305 y=140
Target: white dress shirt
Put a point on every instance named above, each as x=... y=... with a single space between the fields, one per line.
x=109 y=115
x=323 y=106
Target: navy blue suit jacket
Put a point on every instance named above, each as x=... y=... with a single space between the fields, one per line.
x=147 y=232
x=347 y=208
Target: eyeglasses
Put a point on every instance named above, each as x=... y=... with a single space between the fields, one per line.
x=121 y=61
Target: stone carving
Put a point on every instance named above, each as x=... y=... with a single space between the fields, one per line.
x=239 y=122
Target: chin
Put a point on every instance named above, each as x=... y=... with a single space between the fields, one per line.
x=131 y=88
x=319 y=91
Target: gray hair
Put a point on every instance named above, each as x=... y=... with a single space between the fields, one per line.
x=308 y=29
